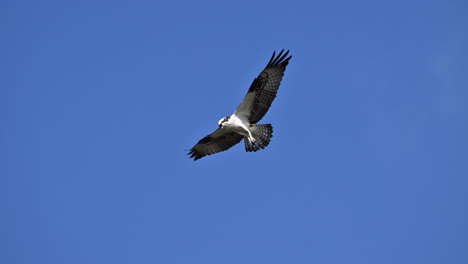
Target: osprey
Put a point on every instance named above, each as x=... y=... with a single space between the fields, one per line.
x=242 y=124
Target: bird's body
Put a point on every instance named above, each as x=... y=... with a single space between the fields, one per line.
x=235 y=124
x=242 y=124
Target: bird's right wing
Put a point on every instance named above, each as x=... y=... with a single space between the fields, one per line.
x=218 y=141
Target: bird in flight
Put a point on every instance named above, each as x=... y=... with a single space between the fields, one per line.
x=242 y=124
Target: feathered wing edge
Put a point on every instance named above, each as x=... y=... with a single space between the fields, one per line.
x=264 y=88
x=279 y=59
x=216 y=142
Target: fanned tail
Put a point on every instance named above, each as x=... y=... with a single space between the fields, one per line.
x=262 y=135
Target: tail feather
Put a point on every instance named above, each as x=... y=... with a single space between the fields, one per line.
x=262 y=135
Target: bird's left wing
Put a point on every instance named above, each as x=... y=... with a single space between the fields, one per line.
x=263 y=89
x=218 y=141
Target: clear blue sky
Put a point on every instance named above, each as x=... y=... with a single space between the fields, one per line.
x=100 y=99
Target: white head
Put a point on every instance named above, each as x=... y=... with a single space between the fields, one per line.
x=222 y=121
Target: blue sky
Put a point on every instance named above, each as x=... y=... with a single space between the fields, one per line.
x=100 y=99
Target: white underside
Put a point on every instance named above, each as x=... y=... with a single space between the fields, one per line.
x=240 y=126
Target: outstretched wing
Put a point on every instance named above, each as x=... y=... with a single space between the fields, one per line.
x=215 y=142
x=263 y=89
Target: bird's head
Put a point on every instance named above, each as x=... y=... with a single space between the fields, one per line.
x=222 y=121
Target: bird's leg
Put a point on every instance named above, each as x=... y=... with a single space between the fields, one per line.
x=251 y=138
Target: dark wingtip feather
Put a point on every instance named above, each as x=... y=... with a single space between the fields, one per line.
x=278 y=57
x=275 y=60
x=194 y=155
x=272 y=57
x=284 y=56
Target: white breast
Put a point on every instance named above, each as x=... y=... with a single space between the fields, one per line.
x=237 y=125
